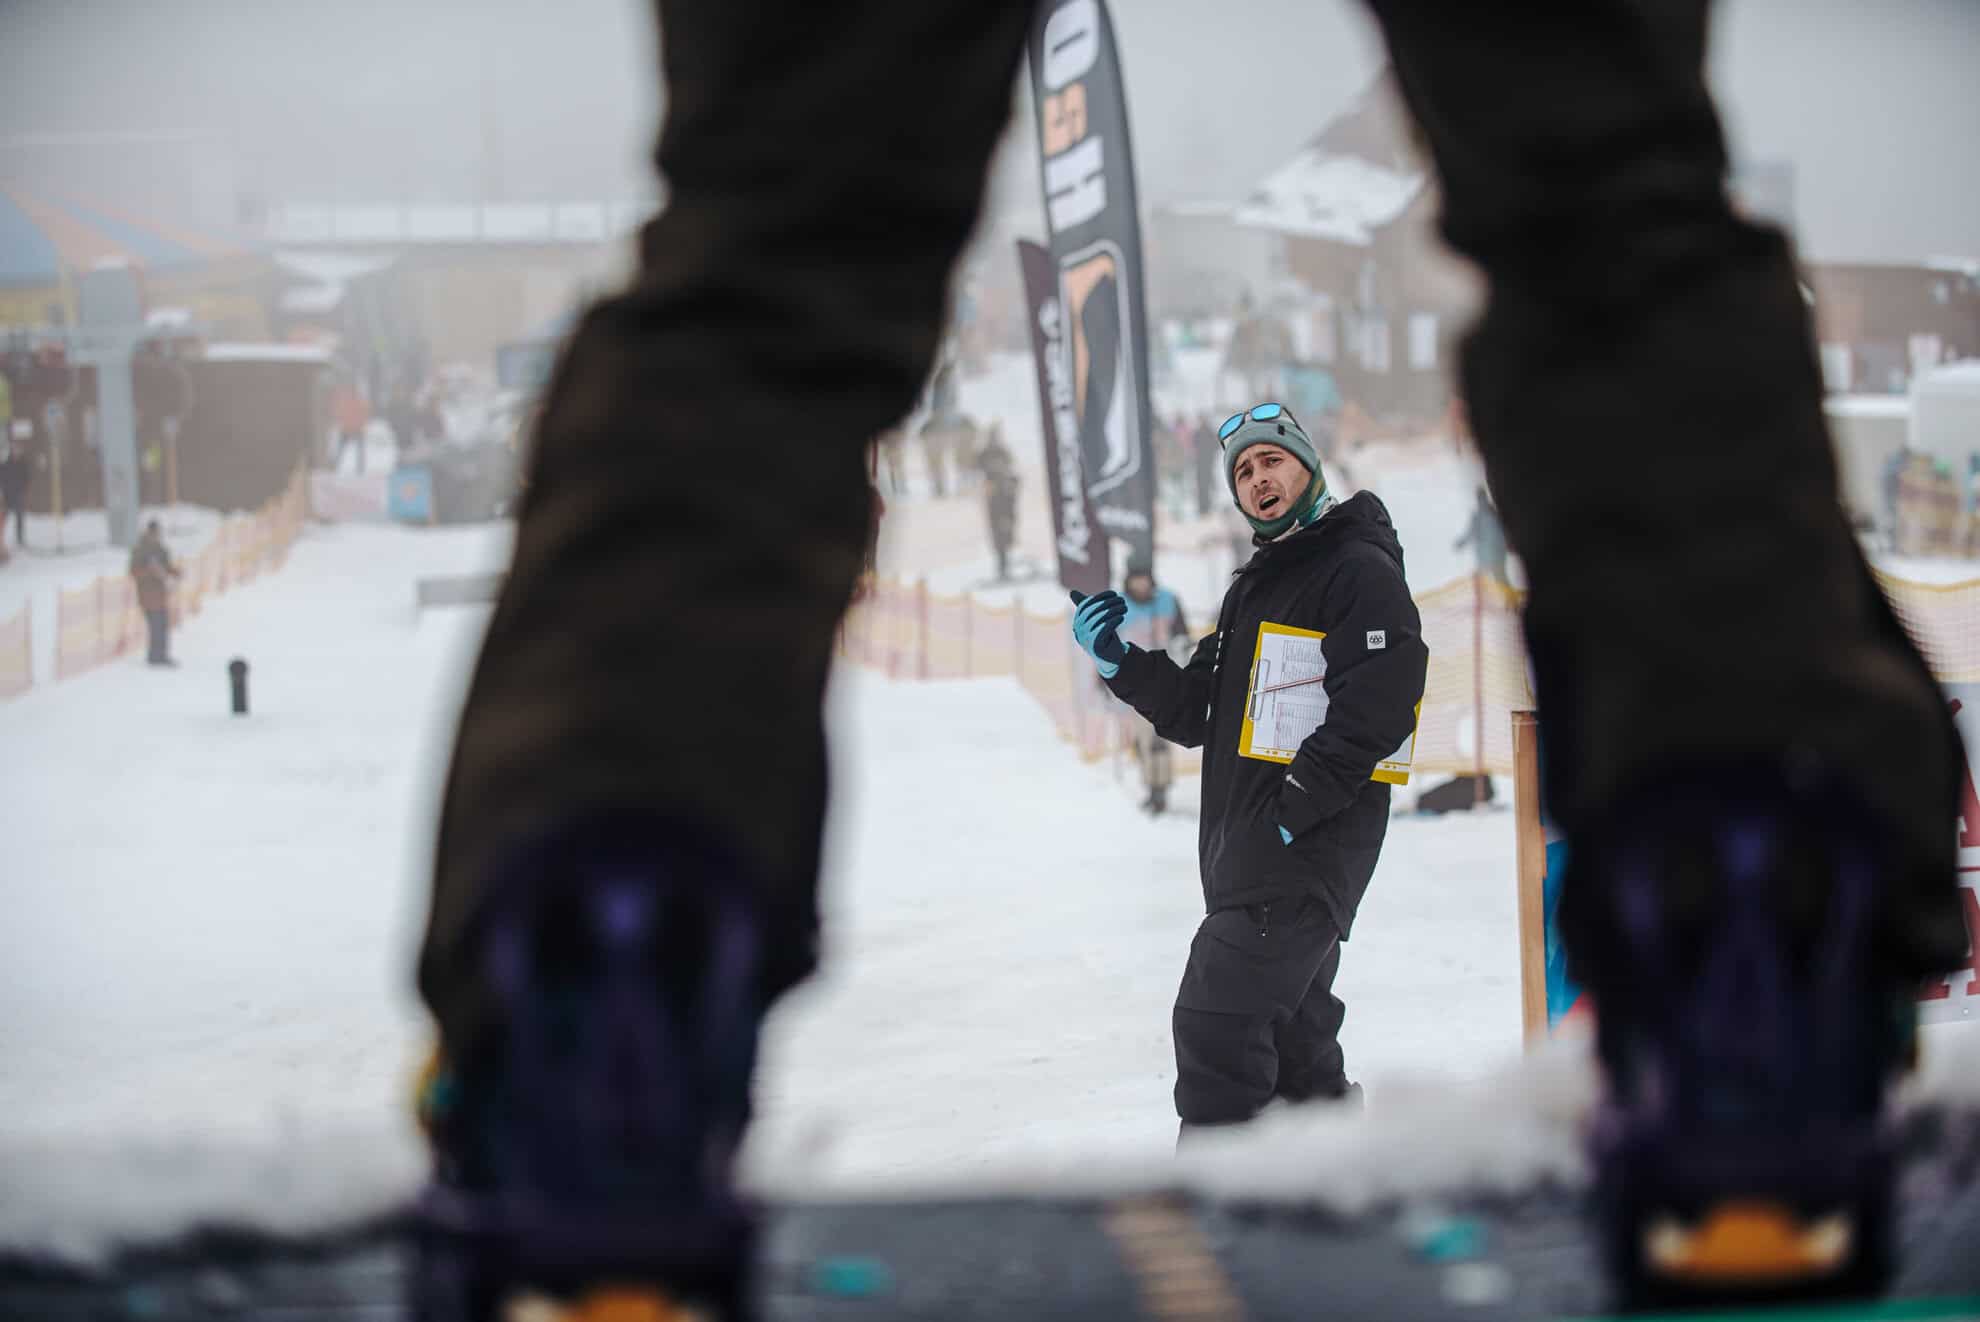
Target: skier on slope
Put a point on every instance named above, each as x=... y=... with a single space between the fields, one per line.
x=1286 y=851
x=1154 y=623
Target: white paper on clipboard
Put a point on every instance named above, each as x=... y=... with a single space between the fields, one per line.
x=1287 y=700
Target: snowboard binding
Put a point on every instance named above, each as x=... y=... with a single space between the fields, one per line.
x=1749 y=1031
x=583 y=1144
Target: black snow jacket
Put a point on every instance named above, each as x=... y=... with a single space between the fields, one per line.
x=1342 y=576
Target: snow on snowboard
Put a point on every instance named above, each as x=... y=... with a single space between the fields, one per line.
x=1151 y=1256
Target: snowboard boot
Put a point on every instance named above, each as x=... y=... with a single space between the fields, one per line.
x=583 y=1142
x=1749 y=1029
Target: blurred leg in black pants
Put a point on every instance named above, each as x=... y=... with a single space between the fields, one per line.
x=697 y=502
x=1755 y=768
x=639 y=777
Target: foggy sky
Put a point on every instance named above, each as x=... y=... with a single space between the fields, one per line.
x=317 y=100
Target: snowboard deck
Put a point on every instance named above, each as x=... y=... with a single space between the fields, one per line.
x=1160 y=1257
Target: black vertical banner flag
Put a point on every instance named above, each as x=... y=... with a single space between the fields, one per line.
x=1076 y=532
x=1096 y=252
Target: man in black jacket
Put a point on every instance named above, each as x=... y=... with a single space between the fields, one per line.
x=1286 y=844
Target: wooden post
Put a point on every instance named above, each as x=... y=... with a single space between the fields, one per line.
x=896 y=646
x=1478 y=688
x=1017 y=639
x=969 y=635
x=1531 y=862
x=869 y=620
x=921 y=628
x=55 y=479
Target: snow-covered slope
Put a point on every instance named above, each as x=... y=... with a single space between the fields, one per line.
x=205 y=955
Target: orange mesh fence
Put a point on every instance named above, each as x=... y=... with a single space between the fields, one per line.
x=1477 y=674
x=78 y=630
x=240 y=548
x=993 y=638
x=1476 y=679
x=1477 y=660
x=17 y=653
x=122 y=621
x=1943 y=620
x=951 y=637
x=101 y=621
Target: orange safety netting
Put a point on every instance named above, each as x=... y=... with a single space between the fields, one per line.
x=1471 y=626
x=17 y=654
x=101 y=621
x=909 y=632
x=1943 y=620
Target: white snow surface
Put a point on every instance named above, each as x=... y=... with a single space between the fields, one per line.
x=206 y=1011
x=205 y=1005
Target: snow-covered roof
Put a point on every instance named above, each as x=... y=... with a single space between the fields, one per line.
x=493 y=222
x=266 y=353
x=309 y=299
x=329 y=267
x=1200 y=209
x=1325 y=195
x=1966 y=266
x=1960 y=378
x=1868 y=406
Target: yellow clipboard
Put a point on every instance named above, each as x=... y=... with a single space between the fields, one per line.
x=1286 y=700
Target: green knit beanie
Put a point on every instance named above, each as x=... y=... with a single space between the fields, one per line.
x=1283 y=431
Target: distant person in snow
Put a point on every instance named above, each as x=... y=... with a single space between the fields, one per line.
x=945 y=439
x=154 y=570
x=351 y=414
x=1203 y=455
x=16 y=473
x=1286 y=848
x=1000 y=496
x=429 y=423
x=402 y=416
x=1486 y=539
x=892 y=459
x=1154 y=623
x=6 y=439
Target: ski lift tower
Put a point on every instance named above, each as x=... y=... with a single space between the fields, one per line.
x=110 y=323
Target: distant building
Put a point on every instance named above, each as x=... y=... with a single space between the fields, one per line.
x=1373 y=298
x=456 y=281
x=1202 y=262
x=1880 y=323
x=48 y=241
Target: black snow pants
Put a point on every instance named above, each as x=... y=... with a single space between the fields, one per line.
x=1256 y=1017
x=661 y=646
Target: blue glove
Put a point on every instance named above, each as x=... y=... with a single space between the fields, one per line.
x=1285 y=835
x=1095 y=624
